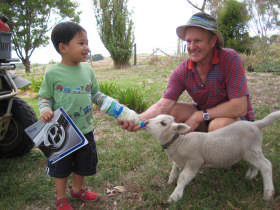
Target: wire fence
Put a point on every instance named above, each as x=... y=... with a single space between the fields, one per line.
x=170 y=53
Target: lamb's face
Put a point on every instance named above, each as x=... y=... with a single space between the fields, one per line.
x=160 y=124
x=163 y=126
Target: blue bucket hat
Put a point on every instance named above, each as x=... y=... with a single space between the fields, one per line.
x=204 y=21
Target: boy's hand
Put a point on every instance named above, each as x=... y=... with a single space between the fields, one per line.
x=129 y=125
x=47 y=116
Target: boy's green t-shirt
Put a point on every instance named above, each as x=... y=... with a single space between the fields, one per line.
x=72 y=88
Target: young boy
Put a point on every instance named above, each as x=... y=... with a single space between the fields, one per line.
x=73 y=86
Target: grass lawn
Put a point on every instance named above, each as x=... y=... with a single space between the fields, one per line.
x=132 y=169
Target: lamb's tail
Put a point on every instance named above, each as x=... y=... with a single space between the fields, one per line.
x=269 y=119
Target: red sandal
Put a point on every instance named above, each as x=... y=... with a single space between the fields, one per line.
x=84 y=195
x=62 y=204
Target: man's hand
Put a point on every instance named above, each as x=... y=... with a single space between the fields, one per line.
x=195 y=120
x=129 y=125
x=47 y=116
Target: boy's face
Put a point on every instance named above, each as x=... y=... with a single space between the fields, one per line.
x=76 y=50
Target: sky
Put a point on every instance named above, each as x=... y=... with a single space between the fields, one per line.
x=155 y=23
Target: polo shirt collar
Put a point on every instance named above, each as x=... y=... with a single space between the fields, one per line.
x=215 y=60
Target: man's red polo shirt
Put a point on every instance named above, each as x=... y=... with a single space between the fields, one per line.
x=226 y=80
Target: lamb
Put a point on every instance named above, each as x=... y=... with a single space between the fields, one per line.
x=218 y=149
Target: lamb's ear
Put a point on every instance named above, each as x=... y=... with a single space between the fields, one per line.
x=181 y=128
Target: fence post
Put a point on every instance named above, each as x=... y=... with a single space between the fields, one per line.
x=135 y=58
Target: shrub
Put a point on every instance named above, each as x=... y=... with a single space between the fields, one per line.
x=109 y=88
x=249 y=60
x=132 y=99
x=52 y=62
x=97 y=57
x=268 y=66
x=129 y=97
x=36 y=83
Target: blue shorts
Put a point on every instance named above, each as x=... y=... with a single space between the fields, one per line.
x=82 y=162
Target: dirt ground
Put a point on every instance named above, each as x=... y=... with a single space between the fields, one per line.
x=264 y=89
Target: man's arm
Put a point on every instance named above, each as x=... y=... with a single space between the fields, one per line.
x=163 y=106
x=234 y=108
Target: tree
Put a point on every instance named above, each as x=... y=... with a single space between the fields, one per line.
x=30 y=20
x=212 y=5
x=115 y=29
x=264 y=13
x=196 y=6
x=265 y=21
x=232 y=19
x=264 y=16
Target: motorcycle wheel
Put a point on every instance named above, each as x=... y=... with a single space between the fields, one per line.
x=16 y=142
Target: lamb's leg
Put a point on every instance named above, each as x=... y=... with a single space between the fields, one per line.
x=187 y=174
x=173 y=174
x=258 y=160
x=252 y=172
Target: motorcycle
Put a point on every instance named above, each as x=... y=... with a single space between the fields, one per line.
x=15 y=113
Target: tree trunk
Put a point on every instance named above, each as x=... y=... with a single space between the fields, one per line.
x=121 y=65
x=26 y=64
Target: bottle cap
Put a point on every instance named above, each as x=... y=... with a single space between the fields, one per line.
x=142 y=123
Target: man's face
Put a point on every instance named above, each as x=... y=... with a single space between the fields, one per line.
x=200 y=44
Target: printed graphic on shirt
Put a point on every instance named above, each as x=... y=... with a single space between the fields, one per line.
x=77 y=90
x=81 y=96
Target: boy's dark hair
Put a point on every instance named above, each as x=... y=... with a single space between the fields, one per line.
x=64 y=32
